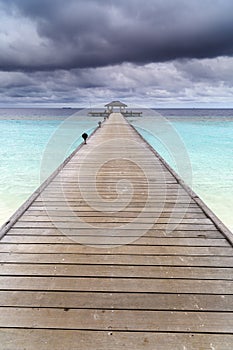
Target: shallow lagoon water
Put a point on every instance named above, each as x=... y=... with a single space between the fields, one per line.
x=25 y=137
x=208 y=142
x=197 y=144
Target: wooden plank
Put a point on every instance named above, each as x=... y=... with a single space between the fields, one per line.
x=123 y=249
x=111 y=284
x=140 y=201
x=116 y=271
x=110 y=187
x=150 y=233
x=113 y=219
x=117 y=301
x=168 y=207
x=143 y=241
x=133 y=225
x=168 y=180
x=127 y=214
x=161 y=176
x=43 y=201
x=139 y=196
x=113 y=259
x=175 y=187
x=117 y=320
x=45 y=339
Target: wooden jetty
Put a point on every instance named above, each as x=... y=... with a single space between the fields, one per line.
x=115 y=106
x=115 y=252
x=99 y=114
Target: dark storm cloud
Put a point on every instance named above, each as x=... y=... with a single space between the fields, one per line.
x=95 y=33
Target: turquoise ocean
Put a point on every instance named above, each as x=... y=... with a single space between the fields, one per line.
x=197 y=143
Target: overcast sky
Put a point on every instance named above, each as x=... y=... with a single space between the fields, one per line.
x=163 y=53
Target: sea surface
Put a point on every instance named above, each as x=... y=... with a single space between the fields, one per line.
x=197 y=143
x=29 y=138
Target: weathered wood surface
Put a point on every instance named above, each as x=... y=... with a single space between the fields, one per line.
x=115 y=254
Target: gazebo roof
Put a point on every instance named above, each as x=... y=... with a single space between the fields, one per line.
x=115 y=104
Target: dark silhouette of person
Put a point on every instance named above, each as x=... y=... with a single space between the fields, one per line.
x=85 y=136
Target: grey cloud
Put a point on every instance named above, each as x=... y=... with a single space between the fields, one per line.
x=162 y=83
x=212 y=71
x=93 y=33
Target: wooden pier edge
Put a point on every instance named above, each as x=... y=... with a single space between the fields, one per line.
x=22 y=209
x=209 y=213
